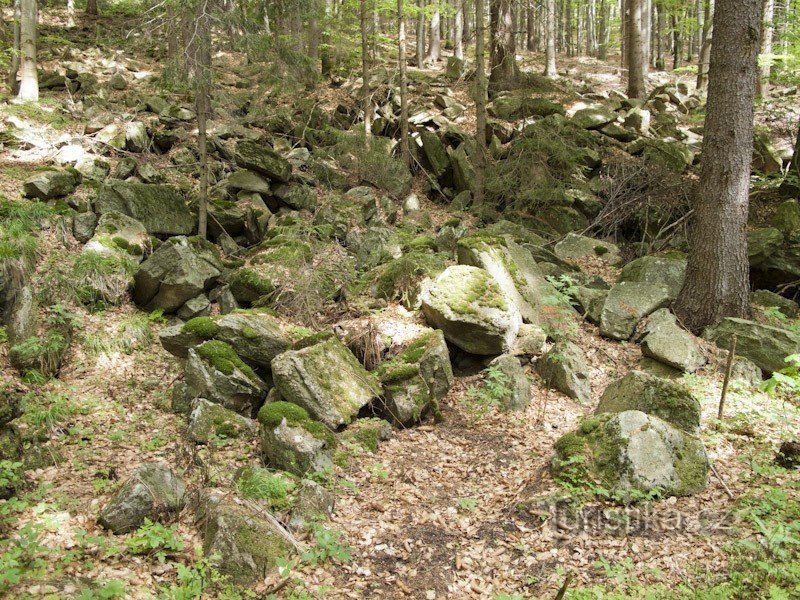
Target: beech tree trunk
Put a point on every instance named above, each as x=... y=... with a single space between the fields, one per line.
x=550 y=32
x=602 y=32
x=29 y=84
x=717 y=276
x=637 y=62
x=480 y=106
x=502 y=52
x=365 y=93
x=13 y=68
x=765 y=68
x=705 y=50
x=434 y=37
x=458 y=31
x=70 y=13
x=420 y=33
x=401 y=60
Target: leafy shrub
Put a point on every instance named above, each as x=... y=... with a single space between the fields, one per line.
x=154 y=539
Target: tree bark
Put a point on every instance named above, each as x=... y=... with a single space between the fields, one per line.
x=91 y=8
x=458 y=31
x=13 y=68
x=602 y=33
x=705 y=49
x=70 y=13
x=201 y=55
x=29 y=84
x=550 y=32
x=365 y=93
x=636 y=50
x=502 y=51
x=401 y=60
x=434 y=37
x=765 y=68
x=717 y=276
x=420 y=33
x=480 y=106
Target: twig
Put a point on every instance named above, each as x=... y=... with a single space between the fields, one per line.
x=562 y=592
x=722 y=481
x=728 y=369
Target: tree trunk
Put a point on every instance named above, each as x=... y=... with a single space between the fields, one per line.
x=705 y=49
x=401 y=60
x=530 y=34
x=502 y=51
x=602 y=34
x=365 y=94
x=13 y=68
x=434 y=37
x=29 y=84
x=677 y=44
x=480 y=106
x=636 y=51
x=70 y=13
x=661 y=25
x=201 y=57
x=420 y=33
x=550 y=32
x=717 y=276
x=762 y=89
x=795 y=166
x=458 y=31
x=91 y=8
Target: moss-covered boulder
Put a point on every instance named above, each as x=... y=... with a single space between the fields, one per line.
x=665 y=341
x=515 y=389
x=416 y=379
x=251 y=282
x=214 y=371
x=593 y=117
x=436 y=154
x=786 y=218
x=672 y=155
x=264 y=160
x=10 y=402
x=766 y=346
x=469 y=306
x=248 y=181
x=179 y=270
x=374 y=246
x=160 y=208
x=628 y=303
x=766 y=299
x=246 y=545
x=154 y=491
x=667 y=399
x=364 y=435
x=257 y=335
x=209 y=420
x=401 y=279
x=565 y=368
x=118 y=235
x=314 y=504
x=294 y=442
x=663 y=270
x=631 y=452
x=519 y=278
x=47 y=185
x=515 y=106
x=577 y=247
x=326 y=380
x=762 y=243
x=463 y=170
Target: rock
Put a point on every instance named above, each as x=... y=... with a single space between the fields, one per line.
x=632 y=451
x=296 y=196
x=593 y=118
x=247 y=546
x=291 y=441
x=209 y=421
x=628 y=303
x=530 y=341
x=93 y=168
x=565 y=369
x=672 y=155
x=199 y=306
x=365 y=435
x=789 y=455
x=663 y=270
x=436 y=153
x=158 y=207
x=786 y=218
x=314 y=503
x=112 y=135
x=149 y=174
x=248 y=284
x=456 y=68
x=463 y=170
x=638 y=119
x=181 y=269
x=667 y=399
x=257 y=336
x=248 y=181
x=416 y=379
x=515 y=106
x=11 y=448
x=136 y=138
x=472 y=311
x=411 y=204
x=619 y=133
x=560 y=220
x=46 y=185
x=746 y=371
x=264 y=160
x=767 y=299
x=575 y=247
x=154 y=492
x=665 y=341
x=517 y=387
x=590 y=302
x=119 y=235
x=762 y=244
x=765 y=157
x=118 y=82
x=519 y=278
x=10 y=403
x=766 y=346
x=374 y=246
x=83 y=226
x=215 y=372
x=326 y=380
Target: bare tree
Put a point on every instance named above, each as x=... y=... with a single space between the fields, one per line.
x=458 y=33
x=13 y=68
x=91 y=8
x=70 y=13
x=420 y=33
x=705 y=49
x=550 y=32
x=29 y=84
x=717 y=276
x=366 y=96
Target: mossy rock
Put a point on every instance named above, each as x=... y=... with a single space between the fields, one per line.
x=766 y=346
x=666 y=399
x=209 y=420
x=250 y=283
x=665 y=270
x=521 y=105
x=160 y=208
x=263 y=160
x=627 y=303
x=292 y=441
x=366 y=434
x=631 y=452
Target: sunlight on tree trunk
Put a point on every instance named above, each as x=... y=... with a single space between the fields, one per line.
x=480 y=105
x=29 y=84
x=550 y=30
x=765 y=67
x=16 y=50
x=401 y=63
x=636 y=51
x=365 y=98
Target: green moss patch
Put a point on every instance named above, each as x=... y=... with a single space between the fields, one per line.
x=223 y=358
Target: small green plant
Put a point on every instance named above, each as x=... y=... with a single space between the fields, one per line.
x=10 y=474
x=328 y=546
x=479 y=401
x=194 y=580
x=467 y=504
x=260 y=484
x=786 y=380
x=154 y=539
x=108 y=591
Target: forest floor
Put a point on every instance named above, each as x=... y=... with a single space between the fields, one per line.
x=465 y=508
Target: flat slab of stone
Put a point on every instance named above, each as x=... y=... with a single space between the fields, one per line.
x=667 y=342
x=766 y=346
x=160 y=208
x=628 y=303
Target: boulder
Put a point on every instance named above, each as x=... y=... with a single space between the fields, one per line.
x=326 y=380
x=159 y=208
x=249 y=181
x=575 y=247
x=154 y=492
x=593 y=117
x=667 y=399
x=291 y=441
x=665 y=341
x=530 y=341
x=215 y=372
x=436 y=153
x=118 y=235
x=628 y=303
x=663 y=270
x=83 y=226
x=565 y=369
x=209 y=420
x=46 y=185
x=515 y=106
x=768 y=299
x=517 y=387
x=374 y=246
x=247 y=545
x=257 y=336
x=10 y=403
x=199 y=306
x=468 y=305
x=314 y=503
x=264 y=160
x=181 y=269
x=766 y=346
x=136 y=138
x=416 y=379
x=786 y=218
x=632 y=451
x=463 y=170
